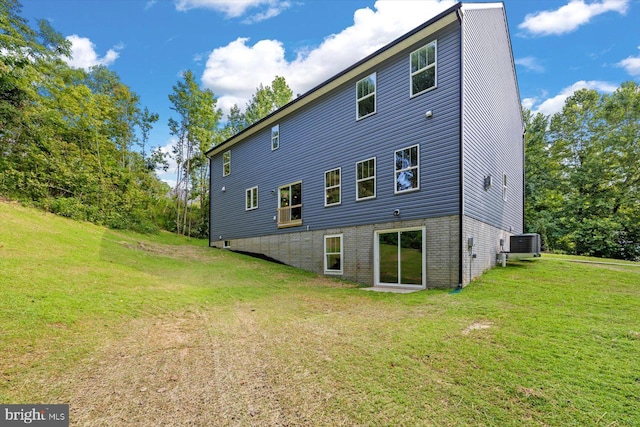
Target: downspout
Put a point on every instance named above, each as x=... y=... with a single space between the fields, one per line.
x=461 y=168
x=524 y=178
x=210 y=196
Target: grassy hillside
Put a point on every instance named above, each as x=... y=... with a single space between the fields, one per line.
x=127 y=328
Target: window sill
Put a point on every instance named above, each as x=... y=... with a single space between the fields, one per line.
x=295 y=223
x=406 y=191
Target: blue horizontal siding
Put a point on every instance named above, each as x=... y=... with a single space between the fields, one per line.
x=325 y=135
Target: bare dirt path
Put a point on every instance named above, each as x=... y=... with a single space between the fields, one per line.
x=195 y=369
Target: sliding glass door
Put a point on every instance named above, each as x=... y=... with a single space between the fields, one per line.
x=400 y=257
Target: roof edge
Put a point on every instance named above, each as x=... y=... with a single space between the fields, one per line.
x=334 y=81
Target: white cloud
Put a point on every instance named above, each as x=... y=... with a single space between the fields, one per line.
x=234 y=71
x=631 y=64
x=530 y=63
x=84 y=55
x=170 y=175
x=554 y=104
x=237 y=8
x=570 y=16
x=528 y=103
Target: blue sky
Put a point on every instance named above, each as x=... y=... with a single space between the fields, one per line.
x=232 y=46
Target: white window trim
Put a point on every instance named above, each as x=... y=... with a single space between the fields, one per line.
x=417 y=167
x=226 y=244
x=293 y=223
x=225 y=163
x=504 y=186
x=339 y=187
x=276 y=139
x=375 y=99
x=246 y=206
x=326 y=269
x=374 y=177
x=434 y=65
x=376 y=257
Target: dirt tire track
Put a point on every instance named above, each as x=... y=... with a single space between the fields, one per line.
x=194 y=369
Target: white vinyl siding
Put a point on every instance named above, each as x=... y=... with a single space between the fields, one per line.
x=504 y=187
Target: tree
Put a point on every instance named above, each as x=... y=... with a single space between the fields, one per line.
x=25 y=57
x=66 y=135
x=543 y=198
x=145 y=121
x=594 y=157
x=264 y=101
x=267 y=99
x=235 y=122
x=196 y=131
x=621 y=111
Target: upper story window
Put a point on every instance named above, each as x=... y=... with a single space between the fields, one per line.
x=251 y=199
x=366 y=179
x=226 y=163
x=275 y=137
x=423 y=69
x=366 y=96
x=407 y=169
x=332 y=187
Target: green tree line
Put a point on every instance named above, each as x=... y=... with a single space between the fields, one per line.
x=68 y=137
x=582 y=183
x=76 y=142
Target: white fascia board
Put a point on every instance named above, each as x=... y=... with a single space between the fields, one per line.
x=475 y=6
x=393 y=49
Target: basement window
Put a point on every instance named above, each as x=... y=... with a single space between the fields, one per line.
x=333 y=254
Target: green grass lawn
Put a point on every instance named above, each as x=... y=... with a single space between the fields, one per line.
x=129 y=327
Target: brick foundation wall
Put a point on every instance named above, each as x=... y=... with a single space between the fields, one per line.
x=486 y=240
x=305 y=249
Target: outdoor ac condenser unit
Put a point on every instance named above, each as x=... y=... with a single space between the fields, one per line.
x=525 y=244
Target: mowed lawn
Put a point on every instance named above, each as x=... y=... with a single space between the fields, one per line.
x=160 y=330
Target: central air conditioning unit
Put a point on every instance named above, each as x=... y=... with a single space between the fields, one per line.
x=524 y=246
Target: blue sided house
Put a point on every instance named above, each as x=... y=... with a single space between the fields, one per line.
x=404 y=170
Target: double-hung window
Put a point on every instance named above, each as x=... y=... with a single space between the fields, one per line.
x=366 y=96
x=251 y=199
x=407 y=169
x=275 y=137
x=226 y=163
x=332 y=187
x=423 y=68
x=333 y=254
x=366 y=179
